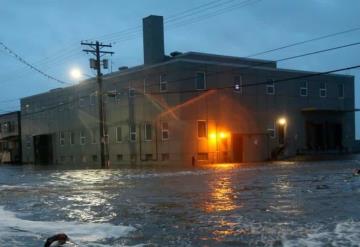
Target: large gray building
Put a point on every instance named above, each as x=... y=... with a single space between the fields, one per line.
x=211 y=107
x=10 y=141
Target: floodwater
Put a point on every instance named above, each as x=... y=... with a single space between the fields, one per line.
x=272 y=204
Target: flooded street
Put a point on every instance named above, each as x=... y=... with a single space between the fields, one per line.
x=274 y=204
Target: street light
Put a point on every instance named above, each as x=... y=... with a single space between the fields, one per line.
x=76 y=73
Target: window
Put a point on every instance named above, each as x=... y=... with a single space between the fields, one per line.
x=341 y=90
x=238 y=84
x=148 y=130
x=118 y=134
x=200 y=81
x=81 y=101
x=271 y=132
x=203 y=156
x=94 y=136
x=148 y=157
x=72 y=138
x=270 y=87
x=323 y=90
x=82 y=138
x=202 y=129
x=95 y=158
x=304 y=89
x=131 y=92
x=93 y=98
x=132 y=132
x=119 y=157
x=163 y=83
x=62 y=138
x=165 y=156
x=165 y=130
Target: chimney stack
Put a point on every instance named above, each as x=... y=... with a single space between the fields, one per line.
x=153 y=38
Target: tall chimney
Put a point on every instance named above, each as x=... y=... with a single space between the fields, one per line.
x=153 y=38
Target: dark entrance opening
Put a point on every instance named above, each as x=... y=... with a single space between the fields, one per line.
x=238 y=147
x=43 y=152
x=281 y=133
x=324 y=136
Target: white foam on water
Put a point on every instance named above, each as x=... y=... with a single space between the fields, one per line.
x=12 y=226
x=346 y=233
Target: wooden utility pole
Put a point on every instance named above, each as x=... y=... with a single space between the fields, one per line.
x=96 y=64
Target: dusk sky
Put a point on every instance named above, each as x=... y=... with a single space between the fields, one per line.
x=47 y=34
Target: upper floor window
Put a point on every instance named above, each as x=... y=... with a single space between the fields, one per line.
x=341 y=92
x=323 y=90
x=200 y=81
x=132 y=128
x=62 y=138
x=270 y=87
x=148 y=132
x=238 y=84
x=304 y=89
x=163 y=83
x=165 y=130
x=202 y=128
x=82 y=138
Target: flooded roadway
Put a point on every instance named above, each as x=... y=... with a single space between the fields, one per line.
x=277 y=204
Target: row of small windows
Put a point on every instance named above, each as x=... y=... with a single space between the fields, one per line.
x=118 y=158
x=148 y=134
x=303 y=92
x=200 y=84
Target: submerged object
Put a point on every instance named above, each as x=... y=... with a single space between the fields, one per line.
x=58 y=239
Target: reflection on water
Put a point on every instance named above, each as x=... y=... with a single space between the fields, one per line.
x=277 y=204
x=222 y=197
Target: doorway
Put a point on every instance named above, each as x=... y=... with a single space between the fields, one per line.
x=43 y=152
x=238 y=147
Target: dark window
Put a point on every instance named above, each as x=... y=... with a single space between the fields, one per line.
x=148 y=157
x=304 y=89
x=271 y=133
x=270 y=87
x=200 y=81
x=165 y=130
x=119 y=157
x=148 y=130
x=72 y=138
x=118 y=134
x=132 y=132
x=95 y=157
x=202 y=129
x=341 y=90
x=131 y=92
x=165 y=156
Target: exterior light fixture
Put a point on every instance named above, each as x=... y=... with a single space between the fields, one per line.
x=76 y=73
x=212 y=136
x=282 y=121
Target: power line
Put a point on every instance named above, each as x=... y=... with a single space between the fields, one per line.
x=30 y=65
x=304 y=42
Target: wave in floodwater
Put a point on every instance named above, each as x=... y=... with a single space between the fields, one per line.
x=13 y=229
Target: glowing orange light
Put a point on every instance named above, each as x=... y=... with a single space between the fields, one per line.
x=223 y=135
x=212 y=136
